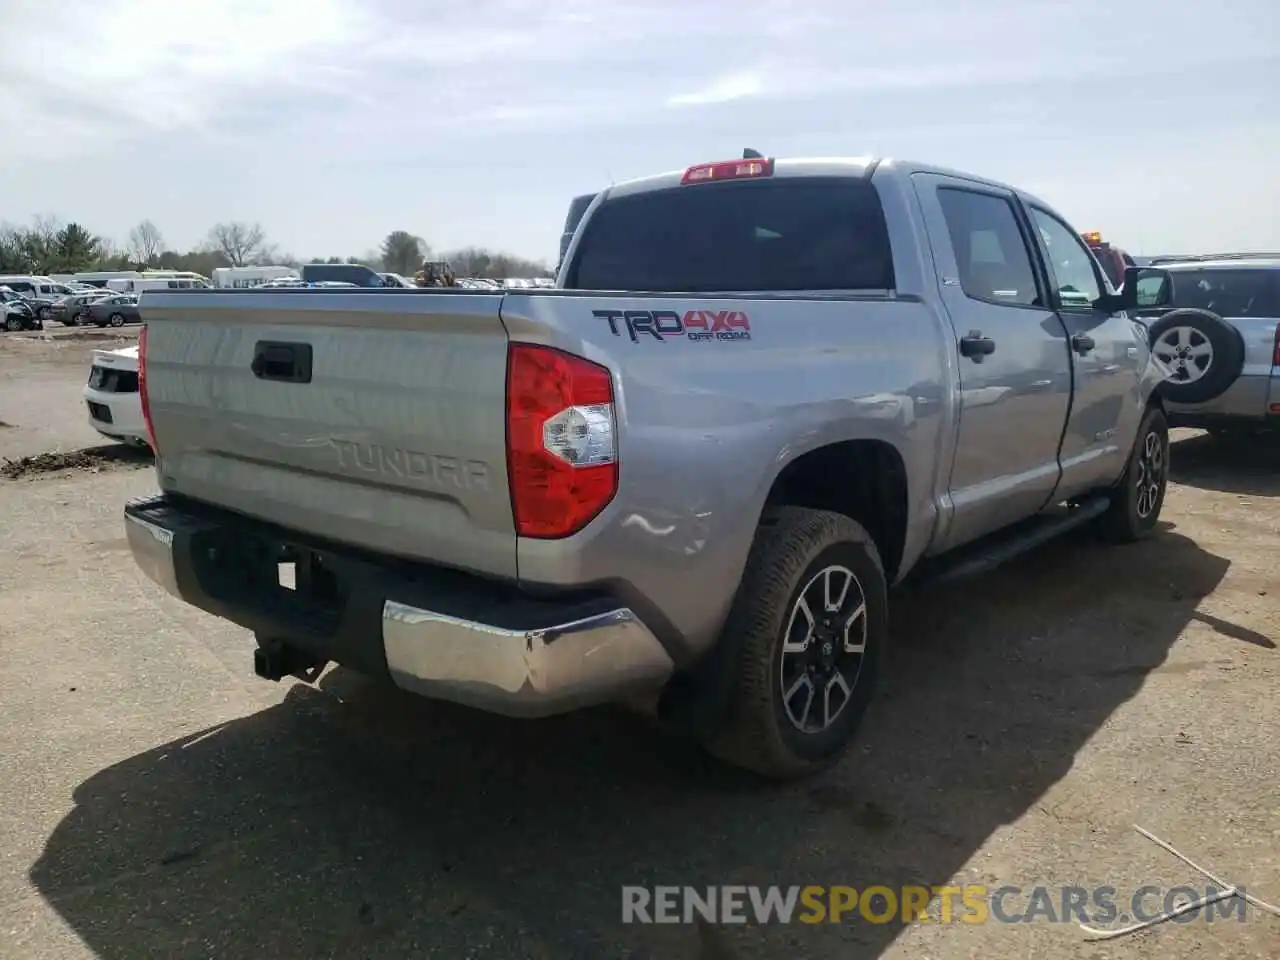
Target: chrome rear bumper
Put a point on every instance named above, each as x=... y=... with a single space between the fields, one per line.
x=550 y=666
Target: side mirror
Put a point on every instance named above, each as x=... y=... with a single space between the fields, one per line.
x=1145 y=288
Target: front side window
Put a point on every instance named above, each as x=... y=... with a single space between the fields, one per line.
x=1071 y=265
x=991 y=254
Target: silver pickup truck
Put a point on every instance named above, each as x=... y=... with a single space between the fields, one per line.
x=764 y=392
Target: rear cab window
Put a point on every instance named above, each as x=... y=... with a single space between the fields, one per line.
x=761 y=235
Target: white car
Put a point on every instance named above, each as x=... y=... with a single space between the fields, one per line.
x=115 y=409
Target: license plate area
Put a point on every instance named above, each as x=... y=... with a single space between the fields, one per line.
x=286 y=581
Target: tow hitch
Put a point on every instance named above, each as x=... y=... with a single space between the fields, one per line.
x=276 y=659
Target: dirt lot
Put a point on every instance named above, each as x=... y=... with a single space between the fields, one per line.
x=156 y=800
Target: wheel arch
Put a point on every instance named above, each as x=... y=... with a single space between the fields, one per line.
x=863 y=479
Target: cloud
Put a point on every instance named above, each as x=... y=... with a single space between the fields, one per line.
x=278 y=70
x=78 y=71
x=735 y=86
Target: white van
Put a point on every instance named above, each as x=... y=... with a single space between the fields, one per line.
x=36 y=287
x=241 y=277
x=143 y=284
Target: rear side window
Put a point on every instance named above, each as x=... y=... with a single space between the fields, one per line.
x=1228 y=293
x=991 y=253
x=759 y=235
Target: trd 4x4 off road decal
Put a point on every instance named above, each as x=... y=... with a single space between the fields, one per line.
x=693 y=324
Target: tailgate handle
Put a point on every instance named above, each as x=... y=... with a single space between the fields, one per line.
x=286 y=362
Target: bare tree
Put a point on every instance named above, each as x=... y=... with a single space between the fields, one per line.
x=145 y=242
x=240 y=243
x=479 y=262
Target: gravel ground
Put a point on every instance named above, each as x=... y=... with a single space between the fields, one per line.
x=157 y=800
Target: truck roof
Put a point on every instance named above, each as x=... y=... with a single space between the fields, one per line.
x=818 y=167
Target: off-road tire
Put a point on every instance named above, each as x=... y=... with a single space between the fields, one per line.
x=1124 y=521
x=792 y=545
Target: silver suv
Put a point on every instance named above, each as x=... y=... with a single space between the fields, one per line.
x=1223 y=377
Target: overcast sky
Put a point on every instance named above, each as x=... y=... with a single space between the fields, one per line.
x=333 y=122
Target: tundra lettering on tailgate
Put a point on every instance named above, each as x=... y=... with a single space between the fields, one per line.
x=693 y=324
x=428 y=468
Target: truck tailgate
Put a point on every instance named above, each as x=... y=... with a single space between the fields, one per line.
x=375 y=418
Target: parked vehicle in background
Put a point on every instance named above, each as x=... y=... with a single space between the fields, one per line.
x=17 y=312
x=144 y=284
x=114 y=311
x=287 y=283
x=435 y=274
x=102 y=278
x=39 y=291
x=396 y=280
x=98 y=279
x=240 y=277
x=1202 y=257
x=111 y=396
x=1112 y=259
x=70 y=311
x=1221 y=342
x=354 y=273
x=836 y=373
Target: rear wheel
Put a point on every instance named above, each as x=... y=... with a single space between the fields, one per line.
x=117 y=320
x=1137 y=500
x=809 y=625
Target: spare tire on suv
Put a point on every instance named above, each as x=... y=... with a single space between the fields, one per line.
x=1204 y=354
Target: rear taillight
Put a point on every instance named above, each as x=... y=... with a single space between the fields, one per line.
x=728 y=170
x=561 y=454
x=142 y=390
